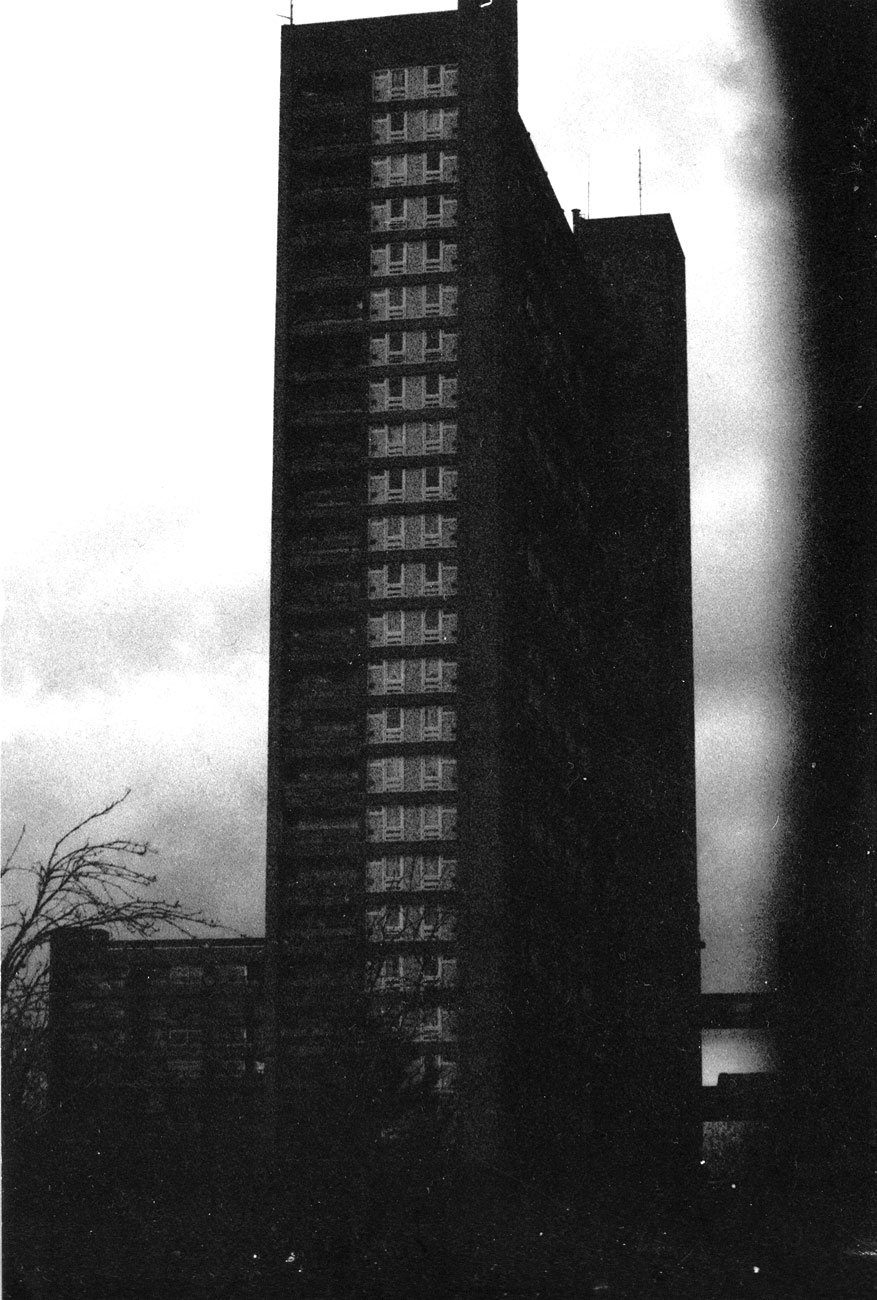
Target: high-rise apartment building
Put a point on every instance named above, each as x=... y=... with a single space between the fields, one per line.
x=481 y=798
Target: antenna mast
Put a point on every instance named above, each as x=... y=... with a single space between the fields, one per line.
x=639 y=159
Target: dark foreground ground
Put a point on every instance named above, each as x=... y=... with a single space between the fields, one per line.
x=731 y=1234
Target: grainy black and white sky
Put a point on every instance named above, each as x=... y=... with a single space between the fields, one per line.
x=137 y=486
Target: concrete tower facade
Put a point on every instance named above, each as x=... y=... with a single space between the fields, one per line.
x=450 y=846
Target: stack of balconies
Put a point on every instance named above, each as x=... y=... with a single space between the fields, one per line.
x=320 y=724
x=412 y=568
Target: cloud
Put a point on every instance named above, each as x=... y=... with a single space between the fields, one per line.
x=191 y=745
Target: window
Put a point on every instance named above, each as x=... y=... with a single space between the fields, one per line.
x=406 y=259
x=432 y=530
x=389 y=214
x=396 y=346
x=416 y=628
x=432 y=578
x=395 y=535
x=430 y=1026
x=433 y=345
x=385 y=823
x=440 y=210
x=433 y=438
x=395 y=676
x=412 y=168
x=184 y=1038
x=430 y=920
x=415 y=82
x=432 y=302
x=391 y=972
x=393 y=872
x=432 y=625
x=447 y=1074
x=412 y=439
x=397 y=123
x=386 y=629
x=386 y=774
x=432 y=823
x=394 y=577
x=396 y=725
x=395 y=169
x=432 y=675
x=432 y=481
x=448 y=306
x=431 y=873
x=413 y=213
x=393 y=920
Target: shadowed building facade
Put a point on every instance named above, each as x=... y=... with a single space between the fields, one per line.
x=481 y=779
x=156 y=1059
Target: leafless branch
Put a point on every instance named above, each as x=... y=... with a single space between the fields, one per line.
x=87 y=887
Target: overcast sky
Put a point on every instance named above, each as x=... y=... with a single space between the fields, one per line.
x=137 y=483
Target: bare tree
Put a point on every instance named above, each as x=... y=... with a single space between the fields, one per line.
x=82 y=885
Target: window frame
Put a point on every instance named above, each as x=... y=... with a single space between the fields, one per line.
x=394 y=627
x=435 y=879
x=393 y=871
x=431 y=726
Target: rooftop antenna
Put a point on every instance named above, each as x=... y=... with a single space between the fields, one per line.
x=639 y=156
x=588 y=204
